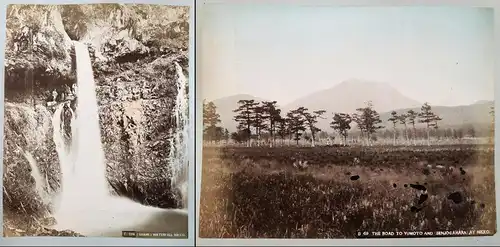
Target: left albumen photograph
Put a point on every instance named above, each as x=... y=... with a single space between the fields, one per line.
x=96 y=121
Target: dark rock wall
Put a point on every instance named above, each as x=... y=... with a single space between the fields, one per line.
x=27 y=130
x=133 y=49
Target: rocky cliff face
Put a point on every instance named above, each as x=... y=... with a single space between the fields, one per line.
x=133 y=50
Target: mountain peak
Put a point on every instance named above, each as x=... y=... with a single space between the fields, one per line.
x=361 y=83
x=353 y=93
x=244 y=96
x=357 y=81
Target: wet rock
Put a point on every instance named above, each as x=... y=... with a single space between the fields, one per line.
x=36 y=48
x=27 y=130
x=120 y=35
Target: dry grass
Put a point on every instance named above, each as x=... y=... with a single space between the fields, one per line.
x=257 y=193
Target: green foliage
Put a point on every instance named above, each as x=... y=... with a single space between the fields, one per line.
x=368 y=121
x=312 y=120
x=211 y=119
x=342 y=124
x=240 y=136
x=272 y=115
x=426 y=115
x=245 y=115
x=394 y=118
x=296 y=121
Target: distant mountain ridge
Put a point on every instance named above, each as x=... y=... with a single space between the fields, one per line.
x=349 y=95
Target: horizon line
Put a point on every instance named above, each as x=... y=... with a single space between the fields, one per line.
x=481 y=101
x=352 y=79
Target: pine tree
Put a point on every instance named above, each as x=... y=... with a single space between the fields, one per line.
x=394 y=119
x=258 y=121
x=296 y=123
x=412 y=116
x=402 y=120
x=245 y=117
x=429 y=119
x=272 y=115
x=210 y=120
x=311 y=119
x=342 y=124
x=283 y=128
x=369 y=120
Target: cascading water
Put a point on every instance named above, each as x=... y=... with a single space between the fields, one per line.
x=40 y=184
x=62 y=154
x=84 y=204
x=36 y=119
x=178 y=144
x=89 y=156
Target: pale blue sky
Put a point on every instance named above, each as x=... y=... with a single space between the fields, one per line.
x=443 y=55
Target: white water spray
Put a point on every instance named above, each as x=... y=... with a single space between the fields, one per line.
x=89 y=157
x=84 y=203
x=40 y=184
x=37 y=120
x=61 y=149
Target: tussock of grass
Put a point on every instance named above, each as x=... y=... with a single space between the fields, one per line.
x=257 y=193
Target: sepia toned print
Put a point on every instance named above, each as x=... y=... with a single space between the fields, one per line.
x=346 y=122
x=96 y=106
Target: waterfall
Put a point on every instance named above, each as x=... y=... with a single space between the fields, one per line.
x=89 y=160
x=84 y=203
x=37 y=120
x=179 y=144
x=60 y=148
x=40 y=184
x=82 y=166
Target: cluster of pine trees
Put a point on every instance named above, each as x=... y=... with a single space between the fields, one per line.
x=264 y=121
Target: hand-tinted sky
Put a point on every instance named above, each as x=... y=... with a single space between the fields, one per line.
x=443 y=55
